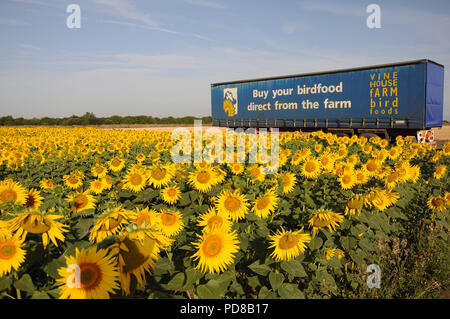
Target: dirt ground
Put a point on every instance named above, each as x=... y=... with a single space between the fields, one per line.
x=441 y=134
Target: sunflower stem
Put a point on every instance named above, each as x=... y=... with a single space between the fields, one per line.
x=16 y=277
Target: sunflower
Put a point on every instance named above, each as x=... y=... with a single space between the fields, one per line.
x=318 y=147
x=371 y=167
x=330 y=253
x=300 y=155
x=311 y=168
x=325 y=218
x=216 y=250
x=220 y=174
x=147 y=218
x=326 y=161
x=12 y=191
x=34 y=199
x=394 y=152
x=89 y=274
x=288 y=244
x=353 y=159
x=347 y=179
x=141 y=157
x=11 y=253
x=391 y=180
x=440 y=171
x=289 y=180
x=402 y=169
x=99 y=171
x=40 y=224
x=171 y=194
x=4 y=229
x=447 y=198
x=97 y=186
x=436 y=203
x=339 y=253
x=213 y=219
x=414 y=173
x=136 y=254
x=203 y=179
x=81 y=201
x=160 y=175
x=73 y=181
x=296 y=158
x=116 y=164
x=107 y=182
x=380 y=198
x=110 y=223
x=265 y=204
x=233 y=204
x=171 y=223
x=446 y=149
x=46 y=183
x=361 y=177
x=135 y=180
x=367 y=148
x=256 y=173
x=354 y=205
x=236 y=168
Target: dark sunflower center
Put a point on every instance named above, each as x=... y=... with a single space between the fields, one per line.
x=36 y=225
x=346 y=179
x=288 y=241
x=8 y=194
x=310 y=167
x=73 y=180
x=212 y=246
x=263 y=203
x=90 y=275
x=80 y=201
x=232 y=204
x=158 y=173
x=168 y=219
x=203 y=177
x=7 y=251
x=172 y=192
x=136 y=179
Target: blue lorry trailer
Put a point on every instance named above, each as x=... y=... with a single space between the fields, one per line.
x=388 y=100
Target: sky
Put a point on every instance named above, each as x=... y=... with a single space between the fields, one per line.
x=159 y=57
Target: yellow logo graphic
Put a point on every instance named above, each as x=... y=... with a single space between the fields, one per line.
x=228 y=107
x=230 y=102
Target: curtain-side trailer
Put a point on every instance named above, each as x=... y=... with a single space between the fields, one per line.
x=390 y=99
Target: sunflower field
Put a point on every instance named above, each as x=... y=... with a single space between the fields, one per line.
x=95 y=213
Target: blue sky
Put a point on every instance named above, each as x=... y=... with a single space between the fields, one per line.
x=159 y=57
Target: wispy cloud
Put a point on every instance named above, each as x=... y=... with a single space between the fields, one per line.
x=13 y=22
x=36 y=2
x=335 y=7
x=154 y=28
x=206 y=3
x=125 y=9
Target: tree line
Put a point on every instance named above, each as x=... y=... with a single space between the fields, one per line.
x=89 y=118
